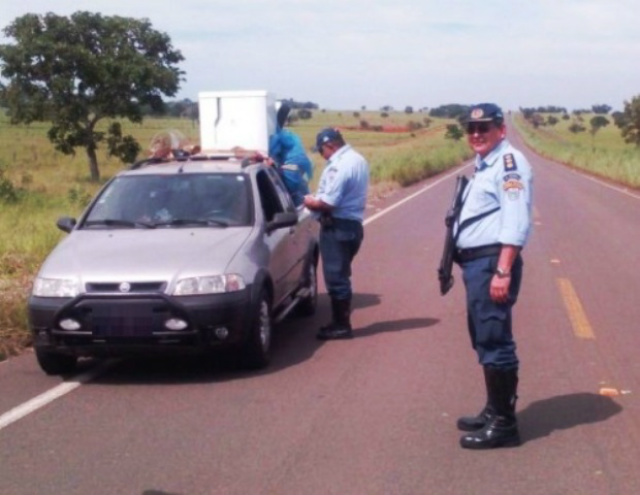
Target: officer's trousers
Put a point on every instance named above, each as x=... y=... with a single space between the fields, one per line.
x=490 y=322
x=339 y=244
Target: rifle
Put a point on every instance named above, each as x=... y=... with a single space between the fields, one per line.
x=446 y=263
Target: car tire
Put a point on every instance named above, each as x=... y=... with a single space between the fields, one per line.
x=308 y=305
x=56 y=364
x=257 y=349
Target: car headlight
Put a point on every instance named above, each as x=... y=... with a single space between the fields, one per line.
x=55 y=287
x=214 y=284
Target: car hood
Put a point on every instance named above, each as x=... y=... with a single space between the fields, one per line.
x=143 y=255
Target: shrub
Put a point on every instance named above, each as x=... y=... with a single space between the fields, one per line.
x=576 y=128
x=454 y=132
x=8 y=192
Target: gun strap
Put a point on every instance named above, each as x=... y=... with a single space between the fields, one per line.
x=472 y=220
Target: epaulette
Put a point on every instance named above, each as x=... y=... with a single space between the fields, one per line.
x=509 y=162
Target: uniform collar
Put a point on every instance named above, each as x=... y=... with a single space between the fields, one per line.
x=492 y=157
x=336 y=156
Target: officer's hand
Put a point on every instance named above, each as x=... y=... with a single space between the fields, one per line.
x=499 y=289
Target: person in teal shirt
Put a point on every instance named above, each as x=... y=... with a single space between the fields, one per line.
x=287 y=154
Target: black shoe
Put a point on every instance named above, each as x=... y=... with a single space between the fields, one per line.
x=340 y=326
x=475 y=423
x=334 y=332
x=501 y=430
x=328 y=326
x=498 y=433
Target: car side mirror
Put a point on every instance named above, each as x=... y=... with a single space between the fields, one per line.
x=66 y=224
x=282 y=219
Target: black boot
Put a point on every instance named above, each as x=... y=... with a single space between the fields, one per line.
x=475 y=423
x=340 y=328
x=335 y=317
x=501 y=430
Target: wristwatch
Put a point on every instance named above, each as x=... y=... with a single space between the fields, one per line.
x=500 y=273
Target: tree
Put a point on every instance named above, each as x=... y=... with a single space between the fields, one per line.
x=629 y=122
x=75 y=71
x=451 y=111
x=304 y=114
x=537 y=120
x=575 y=128
x=597 y=123
x=618 y=119
x=454 y=132
x=602 y=109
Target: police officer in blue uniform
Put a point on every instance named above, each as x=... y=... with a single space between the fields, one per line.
x=339 y=205
x=492 y=229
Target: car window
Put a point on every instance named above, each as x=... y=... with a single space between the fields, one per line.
x=283 y=194
x=270 y=198
x=173 y=200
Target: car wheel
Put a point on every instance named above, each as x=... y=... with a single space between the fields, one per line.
x=257 y=349
x=56 y=364
x=307 y=306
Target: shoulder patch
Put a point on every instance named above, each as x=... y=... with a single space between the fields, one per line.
x=509 y=162
x=511 y=176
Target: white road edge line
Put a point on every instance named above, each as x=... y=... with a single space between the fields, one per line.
x=417 y=193
x=49 y=396
x=620 y=189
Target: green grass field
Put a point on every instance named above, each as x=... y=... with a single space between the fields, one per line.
x=38 y=185
x=604 y=154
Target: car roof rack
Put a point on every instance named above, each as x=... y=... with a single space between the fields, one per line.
x=246 y=157
x=156 y=161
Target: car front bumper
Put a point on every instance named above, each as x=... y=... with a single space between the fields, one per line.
x=111 y=325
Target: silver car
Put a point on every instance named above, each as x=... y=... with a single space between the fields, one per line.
x=187 y=255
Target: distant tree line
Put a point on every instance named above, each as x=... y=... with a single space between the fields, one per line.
x=627 y=120
x=450 y=111
x=189 y=109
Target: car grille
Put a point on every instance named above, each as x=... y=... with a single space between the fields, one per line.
x=125 y=287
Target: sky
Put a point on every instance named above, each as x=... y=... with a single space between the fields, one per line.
x=349 y=54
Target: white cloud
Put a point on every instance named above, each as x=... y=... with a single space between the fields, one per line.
x=343 y=55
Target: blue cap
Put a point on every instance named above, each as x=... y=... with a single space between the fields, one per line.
x=326 y=136
x=485 y=112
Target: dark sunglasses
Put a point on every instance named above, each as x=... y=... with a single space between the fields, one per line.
x=479 y=127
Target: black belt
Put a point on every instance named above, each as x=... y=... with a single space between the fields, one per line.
x=474 y=253
x=328 y=221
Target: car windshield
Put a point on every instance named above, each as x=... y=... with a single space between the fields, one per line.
x=167 y=201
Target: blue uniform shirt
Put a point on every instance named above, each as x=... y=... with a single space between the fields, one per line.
x=344 y=183
x=286 y=148
x=292 y=162
x=502 y=179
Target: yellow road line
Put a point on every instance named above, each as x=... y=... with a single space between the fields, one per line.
x=579 y=322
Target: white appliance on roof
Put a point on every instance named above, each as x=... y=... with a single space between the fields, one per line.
x=236 y=119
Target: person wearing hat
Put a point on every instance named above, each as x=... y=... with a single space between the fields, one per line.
x=492 y=229
x=339 y=205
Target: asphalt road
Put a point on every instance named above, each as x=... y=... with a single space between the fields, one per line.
x=374 y=415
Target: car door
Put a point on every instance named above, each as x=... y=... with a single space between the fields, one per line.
x=299 y=233
x=281 y=243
